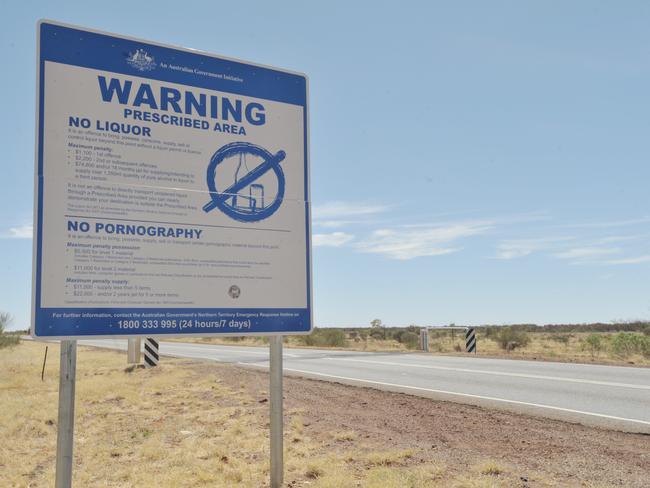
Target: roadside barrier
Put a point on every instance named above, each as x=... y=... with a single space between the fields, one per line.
x=470 y=337
x=151 y=355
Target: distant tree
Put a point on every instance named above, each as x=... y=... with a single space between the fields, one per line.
x=5 y=320
x=7 y=340
x=376 y=323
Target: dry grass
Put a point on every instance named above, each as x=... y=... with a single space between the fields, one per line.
x=542 y=346
x=549 y=346
x=176 y=426
x=491 y=468
x=387 y=458
x=128 y=426
x=346 y=435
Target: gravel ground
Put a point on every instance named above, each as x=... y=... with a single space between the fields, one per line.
x=538 y=451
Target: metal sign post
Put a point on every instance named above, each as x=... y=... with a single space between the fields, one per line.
x=276 y=412
x=133 y=352
x=424 y=340
x=65 y=426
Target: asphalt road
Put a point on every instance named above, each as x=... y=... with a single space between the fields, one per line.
x=605 y=396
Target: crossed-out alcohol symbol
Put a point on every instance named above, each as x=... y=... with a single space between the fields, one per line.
x=226 y=200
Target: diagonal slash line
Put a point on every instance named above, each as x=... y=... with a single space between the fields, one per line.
x=249 y=178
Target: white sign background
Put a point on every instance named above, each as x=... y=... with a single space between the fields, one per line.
x=95 y=176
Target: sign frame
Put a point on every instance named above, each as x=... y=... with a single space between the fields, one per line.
x=36 y=328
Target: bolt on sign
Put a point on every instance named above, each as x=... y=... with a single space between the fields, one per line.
x=172 y=192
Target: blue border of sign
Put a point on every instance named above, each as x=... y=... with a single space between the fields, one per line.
x=79 y=46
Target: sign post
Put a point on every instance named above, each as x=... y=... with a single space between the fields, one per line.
x=276 y=413
x=133 y=350
x=171 y=199
x=65 y=425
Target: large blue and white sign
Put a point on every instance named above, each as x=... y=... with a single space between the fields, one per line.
x=172 y=191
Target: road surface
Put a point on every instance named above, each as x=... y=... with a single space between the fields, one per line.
x=605 y=396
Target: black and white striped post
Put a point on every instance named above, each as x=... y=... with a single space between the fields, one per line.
x=470 y=340
x=151 y=355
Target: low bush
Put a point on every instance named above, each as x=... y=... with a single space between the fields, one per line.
x=234 y=338
x=325 y=338
x=626 y=344
x=562 y=339
x=378 y=334
x=7 y=340
x=510 y=339
x=410 y=339
x=593 y=343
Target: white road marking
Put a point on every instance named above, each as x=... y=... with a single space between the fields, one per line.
x=228 y=349
x=499 y=373
x=468 y=395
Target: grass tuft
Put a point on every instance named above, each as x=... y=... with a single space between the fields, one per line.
x=491 y=468
x=314 y=471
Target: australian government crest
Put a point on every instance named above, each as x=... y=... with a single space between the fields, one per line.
x=141 y=60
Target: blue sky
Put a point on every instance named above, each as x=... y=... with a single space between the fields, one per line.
x=472 y=162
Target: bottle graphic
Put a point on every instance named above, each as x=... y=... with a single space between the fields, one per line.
x=240 y=172
x=254 y=201
x=256 y=197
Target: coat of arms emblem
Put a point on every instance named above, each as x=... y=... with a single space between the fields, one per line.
x=141 y=60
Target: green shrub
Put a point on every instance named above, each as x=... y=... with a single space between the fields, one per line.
x=645 y=347
x=593 y=343
x=378 y=334
x=406 y=336
x=7 y=340
x=410 y=339
x=490 y=331
x=562 y=339
x=625 y=344
x=234 y=338
x=325 y=338
x=510 y=339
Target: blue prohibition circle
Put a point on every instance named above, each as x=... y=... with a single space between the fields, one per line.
x=271 y=162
